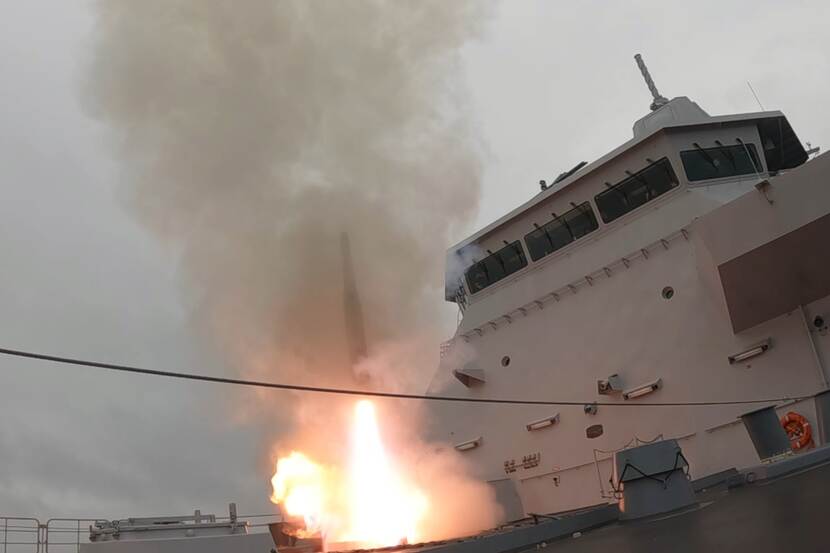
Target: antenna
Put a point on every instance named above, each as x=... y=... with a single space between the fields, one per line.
x=749 y=84
x=659 y=100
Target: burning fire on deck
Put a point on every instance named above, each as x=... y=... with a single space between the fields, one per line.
x=369 y=502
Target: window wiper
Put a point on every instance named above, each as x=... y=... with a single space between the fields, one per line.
x=547 y=234
x=706 y=156
x=583 y=207
x=666 y=167
x=639 y=178
x=518 y=249
x=728 y=154
x=750 y=154
x=483 y=266
x=619 y=191
x=564 y=224
x=501 y=263
x=498 y=257
x=584 y=211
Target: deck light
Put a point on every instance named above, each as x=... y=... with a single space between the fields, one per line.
x=750 y=353
x=468 y=445
x=542 y=423
x=642 y=390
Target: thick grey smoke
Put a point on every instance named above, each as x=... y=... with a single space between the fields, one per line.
x=253 y=134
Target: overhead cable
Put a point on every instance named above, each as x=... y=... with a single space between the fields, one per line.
x=368 y=393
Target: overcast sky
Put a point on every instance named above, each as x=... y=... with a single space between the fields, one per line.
x=549 y=86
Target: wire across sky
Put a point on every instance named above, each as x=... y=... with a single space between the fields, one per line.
x=368 y=393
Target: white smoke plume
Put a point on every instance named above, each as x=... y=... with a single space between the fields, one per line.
x=253 y=134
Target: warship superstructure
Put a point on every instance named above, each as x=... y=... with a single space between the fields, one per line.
x=688 y=265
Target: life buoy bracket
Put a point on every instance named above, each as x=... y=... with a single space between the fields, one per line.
x=798 y=430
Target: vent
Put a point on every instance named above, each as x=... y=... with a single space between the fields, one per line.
x=470 y=376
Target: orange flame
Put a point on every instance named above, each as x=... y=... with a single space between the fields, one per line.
x=372 y=505
x=298 y=487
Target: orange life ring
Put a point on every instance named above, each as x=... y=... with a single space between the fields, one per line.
x=798 y=430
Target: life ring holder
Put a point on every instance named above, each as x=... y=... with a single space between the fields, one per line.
x=798 y=430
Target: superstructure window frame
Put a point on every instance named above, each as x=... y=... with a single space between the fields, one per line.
x=496 y=266
x=636 y=190
x=702 y=164
x=561 y=231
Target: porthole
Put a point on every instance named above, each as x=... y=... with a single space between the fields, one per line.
x=667 y=293
x=505 y=361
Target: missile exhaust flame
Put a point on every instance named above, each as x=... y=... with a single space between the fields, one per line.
x=371 y=504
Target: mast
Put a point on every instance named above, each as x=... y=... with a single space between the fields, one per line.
x=659 y=99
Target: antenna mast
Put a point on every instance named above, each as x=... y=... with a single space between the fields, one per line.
x=659 y=100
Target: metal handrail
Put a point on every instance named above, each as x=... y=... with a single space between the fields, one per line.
x=54 y=526
x=19 y=528
x=11 y=526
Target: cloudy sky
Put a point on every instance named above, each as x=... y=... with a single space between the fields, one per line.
x=548 y=86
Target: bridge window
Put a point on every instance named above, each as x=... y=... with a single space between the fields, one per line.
x=720 y=162
x=561 y=231
x=638 y=189
x=496 y=266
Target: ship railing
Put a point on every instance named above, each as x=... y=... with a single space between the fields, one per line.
x=67 y=534
x=20 y=534
x=29 y=535
x=256 y=523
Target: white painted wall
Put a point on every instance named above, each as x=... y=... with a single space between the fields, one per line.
x=621 y=324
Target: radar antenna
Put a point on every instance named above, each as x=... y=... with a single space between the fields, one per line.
x=659 y=100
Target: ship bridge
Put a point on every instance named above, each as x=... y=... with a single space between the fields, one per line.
x=676 y=149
